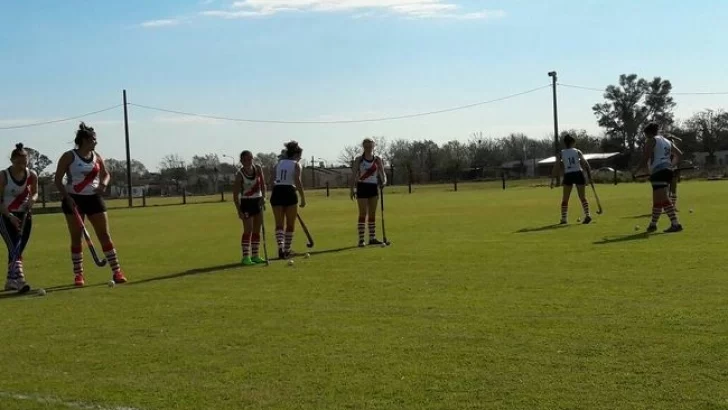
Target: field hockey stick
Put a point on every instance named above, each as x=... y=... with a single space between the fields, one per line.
x=265 y=242
x=599 y=203
x=692 y=167
x=99 y=262
x=384 y=228
x=305 y=230
x=15 y=253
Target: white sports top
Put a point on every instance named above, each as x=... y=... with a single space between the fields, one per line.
x=286 y=172
x=17 y=193
x=251 y=184
x=82 y=177
x=570 y=156
x=661 y=154
x=368 y=171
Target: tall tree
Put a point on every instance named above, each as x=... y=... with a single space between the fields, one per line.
x=173 y=168
x=631 y=104
x=711 y=130
x=36 y=161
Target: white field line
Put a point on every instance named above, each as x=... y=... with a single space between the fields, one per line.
x=50 y=400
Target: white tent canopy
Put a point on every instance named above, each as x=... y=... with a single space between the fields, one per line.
x=605 y=155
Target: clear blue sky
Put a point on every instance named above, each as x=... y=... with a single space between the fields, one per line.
x=336 y=59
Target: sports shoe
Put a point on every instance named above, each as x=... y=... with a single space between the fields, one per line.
x=18 y=284
x=281 y=253
x=563 y=222
x=674 y=228
x=257 y=259
x=119 y=277
x=587 y=220
x=247 y=261
x=362 y=243
x=651 y=228
x=375 y=241
x=79 y=280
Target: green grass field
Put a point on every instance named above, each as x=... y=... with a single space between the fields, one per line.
x=478 y=303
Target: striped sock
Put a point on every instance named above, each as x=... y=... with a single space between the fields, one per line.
x=288 y=241
x=15 y=271
x=111 y=256
x=360 y=227
x=255 y=244
x=245 y=243
x=670 y=211
x=564 y=210
x=585 y=205
x=673 y=198
x=77 y=259
x=372 y=230
x=280 y=237
x=656 y=211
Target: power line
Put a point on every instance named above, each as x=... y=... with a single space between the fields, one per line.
x=391 y=118
x=75 y=117
x=601 y=90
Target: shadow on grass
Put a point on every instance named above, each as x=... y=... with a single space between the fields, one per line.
x=542 y=228
x=189 y=272
x=625 y=238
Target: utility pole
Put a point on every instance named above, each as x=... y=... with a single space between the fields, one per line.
x=552 y=74
x=128 y=153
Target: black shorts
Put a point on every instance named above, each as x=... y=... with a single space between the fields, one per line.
x=366 y=190
x=574 y=178
x=284 y=195
x=662 y=179
x=86 y=204
x=250 y=206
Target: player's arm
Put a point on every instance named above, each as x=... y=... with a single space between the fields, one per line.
x=558 y=165
x=237 y=184
x=104 y=176
x=3 y=206
x=33 y=180
x=263 y=187
x=63 y=163
x=585 y=165
x=677 y=154
x=299 y=184
x=646 y=154
x=382 y=172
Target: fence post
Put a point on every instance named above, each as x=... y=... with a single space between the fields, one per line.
x=455 y=182
x=222 y=194
x=184 y=196
x=144 y=197
x=327 y=189
x=503 y=178
x=43 y=194
x=615 y=176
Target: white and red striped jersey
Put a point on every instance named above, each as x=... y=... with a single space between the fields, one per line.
x=82 y=176
x=252 y=184
x=17 y=193
x=368 y=171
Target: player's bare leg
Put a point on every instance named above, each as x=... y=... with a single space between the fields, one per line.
x=565 y=203
x=100 y=223
x=372 y=220
x=362 y=204
x=581 y=190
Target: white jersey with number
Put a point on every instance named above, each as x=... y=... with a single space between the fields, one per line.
x=17 y=193
x=252 y=184
x=82 y=176
x=368 y=171
x=286 y=172
x=661 y=154
x=570 y=157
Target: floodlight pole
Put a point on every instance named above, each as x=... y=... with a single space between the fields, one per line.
x=553 y=76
